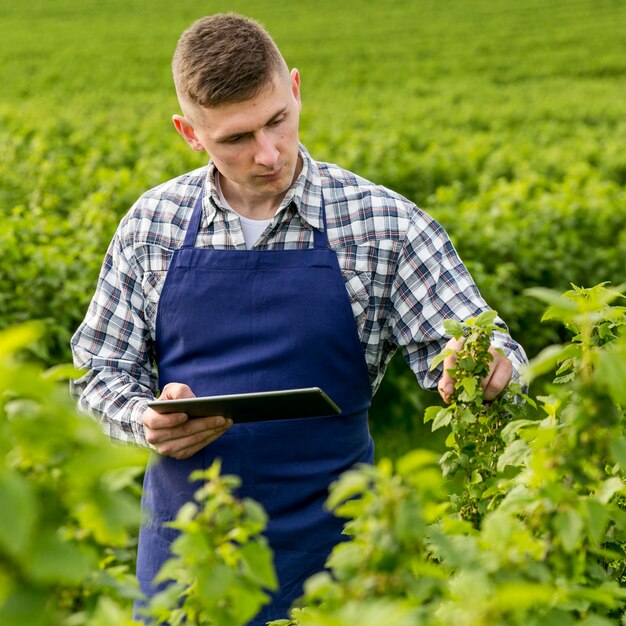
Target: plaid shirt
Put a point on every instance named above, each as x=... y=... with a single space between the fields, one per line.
x=401 y=272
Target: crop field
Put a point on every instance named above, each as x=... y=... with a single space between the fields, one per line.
x=505 y=120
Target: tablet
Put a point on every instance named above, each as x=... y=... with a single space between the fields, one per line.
x=254 y=407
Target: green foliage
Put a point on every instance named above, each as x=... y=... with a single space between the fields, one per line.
x=530 y=228
x=59 y=217
x=69 y=504
x=221 y=565
x=475 y=426
x=544 y=542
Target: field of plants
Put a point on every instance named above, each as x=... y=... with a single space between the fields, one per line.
x=504 y=120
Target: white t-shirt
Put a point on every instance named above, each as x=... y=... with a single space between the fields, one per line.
x=252 y=229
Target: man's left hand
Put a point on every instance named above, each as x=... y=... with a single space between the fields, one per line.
x=499 y=376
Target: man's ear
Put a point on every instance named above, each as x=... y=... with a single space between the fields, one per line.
x=186 y=131
x=295 y=86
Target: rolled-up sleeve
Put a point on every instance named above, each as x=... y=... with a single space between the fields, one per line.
x=114 y=346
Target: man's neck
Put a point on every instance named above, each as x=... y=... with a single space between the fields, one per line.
x=254 y=208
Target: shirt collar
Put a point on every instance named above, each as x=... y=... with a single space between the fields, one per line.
x=305 y=193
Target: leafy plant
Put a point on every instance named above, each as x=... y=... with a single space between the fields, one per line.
x=221 y=566
x=69 y=502
x=475 y=426
x=385 y=568
x=543 y=541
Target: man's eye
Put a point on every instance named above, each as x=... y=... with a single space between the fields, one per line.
x=235 y=139
x=277 y=121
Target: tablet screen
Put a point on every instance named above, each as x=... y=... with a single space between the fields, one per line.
x=254 y=407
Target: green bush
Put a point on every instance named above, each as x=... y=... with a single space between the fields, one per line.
x=522 y=522
x=221 y=567
x=543 y=539
x=70 y=507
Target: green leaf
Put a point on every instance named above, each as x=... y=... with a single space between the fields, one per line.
x=466 y=416
x=19 y=337
x=350 y=484
x=515 y=429
x=409 y=523
x=454 y=551
x=109 y=515
x=440 y=358
x=546 y=361
x=53 y=560
x=443 y=418
x=108 y=612
x=255 y=514
x=469 y=385
x=414 y=461
x=568 y=526
x=454 y=328
x=595 y=620
x=515 y=454
x=319 y=585
x=449 y=463
x=612 y=371
x=561 y=307
x=486 y=319
x=553 y=617
x=597 y=519
x=26 y=606
x=345 y=559
x=521 y=595
x=618 y=450
x=214 y=584
x=430 y=413
x=258 y=560
x=609 y=488
x=466 y=364
x=63 y=372
x=18 y=505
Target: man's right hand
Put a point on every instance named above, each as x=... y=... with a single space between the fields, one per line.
x=174 y=434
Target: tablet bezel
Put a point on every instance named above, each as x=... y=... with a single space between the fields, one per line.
x=256 y=406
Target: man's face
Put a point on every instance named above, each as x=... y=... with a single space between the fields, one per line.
x=254 y=144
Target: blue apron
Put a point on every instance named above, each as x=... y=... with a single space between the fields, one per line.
x=233 y=321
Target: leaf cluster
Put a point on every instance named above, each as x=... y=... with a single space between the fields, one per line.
x=221 y=568
x=70 y=506
x=474 y=440
x=545 y=540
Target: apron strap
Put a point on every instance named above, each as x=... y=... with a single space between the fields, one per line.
x=194 y=222
x=320 y=237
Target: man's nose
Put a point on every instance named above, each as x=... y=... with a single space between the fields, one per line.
x=266 y=152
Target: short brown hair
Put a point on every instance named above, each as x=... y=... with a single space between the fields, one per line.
x=224 y=58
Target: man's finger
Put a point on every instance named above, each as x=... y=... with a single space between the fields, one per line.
x=500 y=373
x=189 y=428
x=157 y=421
x=184 y=447
x=176 y=391
x=185 y=453
x=445 y=386
x=171 y=391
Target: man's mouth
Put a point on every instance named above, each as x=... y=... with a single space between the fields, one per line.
x=271 y=175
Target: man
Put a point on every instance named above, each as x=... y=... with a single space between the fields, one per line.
x=265 y=270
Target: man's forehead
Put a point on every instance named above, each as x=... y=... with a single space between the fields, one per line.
x=243 y=116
